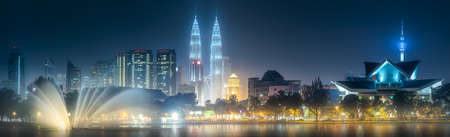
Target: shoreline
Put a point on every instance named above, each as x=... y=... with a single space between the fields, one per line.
x=161 y=125
x=319 y=122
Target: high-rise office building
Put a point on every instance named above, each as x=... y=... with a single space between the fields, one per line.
x=16 y=71
x=195 y=62
x=134 y=69
x=73 y=78
x=102 y=73
x=233 y=86
x=166 y=71
x=120 y=66
x=216 y=73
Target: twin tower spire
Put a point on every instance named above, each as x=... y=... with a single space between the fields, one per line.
x=214 y=81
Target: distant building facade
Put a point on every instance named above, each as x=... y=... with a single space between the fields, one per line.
x=134 y=69
x=6 y=84
x=226 y=72
x=180 y=75
x=101 y=74
x=60 y=81
x=185 y=88
x=16 y=71
x=73 y=78
x=270 y=84
x=233 y=86
x=166 y=71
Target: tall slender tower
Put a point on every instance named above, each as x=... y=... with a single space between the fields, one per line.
x=16 y=71
x=402 y=43
x=47 y=68
x=195 y=62
x=216 y=64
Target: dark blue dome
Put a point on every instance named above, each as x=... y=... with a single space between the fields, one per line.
x=272 y=75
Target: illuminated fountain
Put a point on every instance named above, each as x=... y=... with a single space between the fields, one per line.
x=113 y=106
x=49 y=105
x=97 y=107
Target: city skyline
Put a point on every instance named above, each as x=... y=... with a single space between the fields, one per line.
x=241 y=68
x=357 y=37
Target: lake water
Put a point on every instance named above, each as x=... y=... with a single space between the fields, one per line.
x=251 y=130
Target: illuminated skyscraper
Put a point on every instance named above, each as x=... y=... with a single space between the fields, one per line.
x=195 y=62
x=166 y=71
x=134 y=69
x=216 y=65
x=120 y=69
x=16 y=71
x=140 y=69
x=233 y=86
x=402 y=43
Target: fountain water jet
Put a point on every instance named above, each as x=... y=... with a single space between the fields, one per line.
x=49 y=105
x=92 y=105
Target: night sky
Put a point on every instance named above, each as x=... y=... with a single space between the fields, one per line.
x=300 y=39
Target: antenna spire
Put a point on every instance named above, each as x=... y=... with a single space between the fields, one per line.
x=402 y=42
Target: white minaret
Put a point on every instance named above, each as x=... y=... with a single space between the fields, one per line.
x=402 y=43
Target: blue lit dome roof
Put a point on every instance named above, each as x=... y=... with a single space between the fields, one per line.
x=272 y=75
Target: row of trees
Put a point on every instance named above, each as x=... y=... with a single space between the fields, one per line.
x=314 y=98
x=314 y=101
x=230 y=106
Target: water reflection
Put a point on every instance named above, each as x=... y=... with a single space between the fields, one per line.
x=250 y=130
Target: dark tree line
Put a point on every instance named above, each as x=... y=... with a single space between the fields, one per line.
x=314 y=97
x=11 y=107
x=230 y=106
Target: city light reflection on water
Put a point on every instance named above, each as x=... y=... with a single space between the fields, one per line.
x=250 y=130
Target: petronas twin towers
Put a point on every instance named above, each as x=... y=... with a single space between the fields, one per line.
x=211 y=86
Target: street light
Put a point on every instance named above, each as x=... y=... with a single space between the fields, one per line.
x=14 y=114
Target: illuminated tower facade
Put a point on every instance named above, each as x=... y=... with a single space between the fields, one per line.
x=134 y=69
x=166 y=71
x=233 y=86
x=120 y=69
x=216 y=65
x=402 y=43
x=195 y=62
x=140 y=69
x=16 y=71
